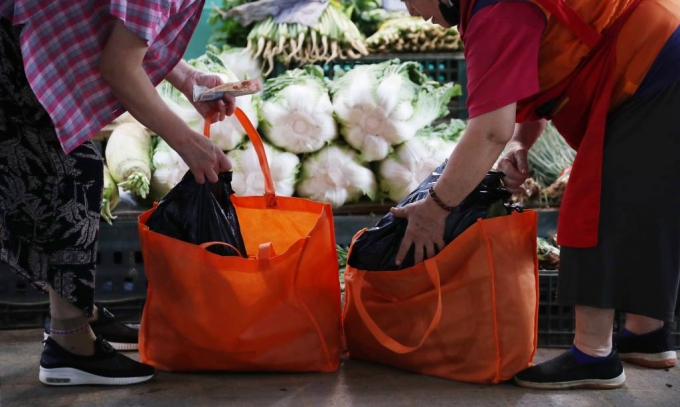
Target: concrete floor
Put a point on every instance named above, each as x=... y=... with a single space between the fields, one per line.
x=356 y=384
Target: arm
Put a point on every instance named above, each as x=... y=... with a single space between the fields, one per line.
x=479 y=148
x=121 y=67
x=483 y=141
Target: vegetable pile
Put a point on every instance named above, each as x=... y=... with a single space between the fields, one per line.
x=413 y=34
x=550 y=161
x=368 y=135
x=334 y=36
x=382 y=105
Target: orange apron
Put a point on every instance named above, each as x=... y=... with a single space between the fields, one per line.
x=578 y=107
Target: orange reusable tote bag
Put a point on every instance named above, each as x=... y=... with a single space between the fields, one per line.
x=467 y=314
x=276 y=311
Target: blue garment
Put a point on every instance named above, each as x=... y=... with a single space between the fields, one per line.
x=665 y=71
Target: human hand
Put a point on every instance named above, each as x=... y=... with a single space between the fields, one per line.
x=205 y=160
x=218 y=108
x=425 y=230
x=515 y=166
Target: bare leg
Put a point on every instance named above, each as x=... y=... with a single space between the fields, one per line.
x=70 y=325
x=594 y=330
x=640 y=325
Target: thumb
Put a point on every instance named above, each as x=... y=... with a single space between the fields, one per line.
x=399 y=212
x=521 y=161
x=224 y=164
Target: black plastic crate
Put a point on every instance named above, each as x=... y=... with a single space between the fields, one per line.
x=556 y=323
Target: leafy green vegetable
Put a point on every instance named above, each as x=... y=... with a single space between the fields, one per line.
x=227 y=30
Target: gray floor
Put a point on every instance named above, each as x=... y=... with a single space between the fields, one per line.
x=356 y=384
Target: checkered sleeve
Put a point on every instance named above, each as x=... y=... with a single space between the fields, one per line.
x=146 y=18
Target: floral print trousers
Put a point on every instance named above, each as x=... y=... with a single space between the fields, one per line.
x=49 y=201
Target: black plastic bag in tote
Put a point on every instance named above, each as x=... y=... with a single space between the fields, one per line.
x=376 y=249
x=200 y=213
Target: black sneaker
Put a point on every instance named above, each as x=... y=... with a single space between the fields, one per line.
x=120 y=336
x=652 y=350
x=59 y=367
x=563 y=372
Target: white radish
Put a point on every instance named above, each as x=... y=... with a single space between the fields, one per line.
x=110 y=197
x=128 y=156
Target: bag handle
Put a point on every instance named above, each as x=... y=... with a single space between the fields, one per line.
x=382 y=337
x=208 y=244
x=269 y=192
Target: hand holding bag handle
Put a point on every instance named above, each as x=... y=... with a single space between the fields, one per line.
x=255 y=138
x=382 y=337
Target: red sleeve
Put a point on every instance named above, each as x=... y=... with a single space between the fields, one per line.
x=501 y=51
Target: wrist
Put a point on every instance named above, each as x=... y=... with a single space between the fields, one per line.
x=180 y=75
x=437 y=202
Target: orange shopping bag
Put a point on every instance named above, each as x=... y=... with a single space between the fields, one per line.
x=467 y=314
x=277 y=311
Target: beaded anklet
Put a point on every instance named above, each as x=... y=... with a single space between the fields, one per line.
x=71 y=331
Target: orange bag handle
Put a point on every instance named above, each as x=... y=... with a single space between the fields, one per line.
x=208 y=244
x=382 y=337
x=254 y=136
x=266 y=251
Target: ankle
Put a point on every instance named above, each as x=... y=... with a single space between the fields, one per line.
x=79 y=343
x=582 y=357
x=596 y=349
x=95 y=314
x=637 y=327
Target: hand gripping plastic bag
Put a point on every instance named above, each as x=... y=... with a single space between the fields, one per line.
x=200 y=213
x=376 y=248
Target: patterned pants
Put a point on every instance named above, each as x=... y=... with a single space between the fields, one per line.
x=49 y=201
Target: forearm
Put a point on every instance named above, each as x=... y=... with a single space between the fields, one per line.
x=472 y=159
x=477 y=151
x=179 y=74
x=136 y=93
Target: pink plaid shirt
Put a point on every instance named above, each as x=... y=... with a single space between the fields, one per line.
x=61 y=44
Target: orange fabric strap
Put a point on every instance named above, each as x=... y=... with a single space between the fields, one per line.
x=254 y=136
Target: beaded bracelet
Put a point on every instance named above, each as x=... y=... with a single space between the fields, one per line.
x=439 y=201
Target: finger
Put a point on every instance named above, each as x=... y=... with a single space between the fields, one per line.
x=199 y=177
x=430 y=250
x=222 y=109
x=216 y=117
x=403 y=250
x=229 y=103
x=212 y=176
x=440 y=244
x=418 y=254
x=517 y=190
x=224 y=163
x=513 y=183
x=399 y=212
x=509 y=168
x=216 y=80
x=521 y=160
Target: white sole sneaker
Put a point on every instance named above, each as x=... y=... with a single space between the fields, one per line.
x=116 y=345
x=66 y=376
x=602 y=384
x=660 y=360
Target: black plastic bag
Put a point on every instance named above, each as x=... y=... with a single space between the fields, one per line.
x=197 y=214
x=376 y=249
